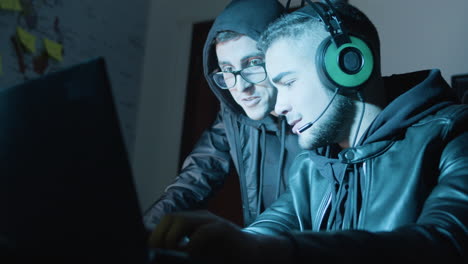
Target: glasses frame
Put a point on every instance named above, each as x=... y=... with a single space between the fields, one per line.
x=239 y=72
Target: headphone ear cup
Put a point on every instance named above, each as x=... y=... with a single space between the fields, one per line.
x=347 y=67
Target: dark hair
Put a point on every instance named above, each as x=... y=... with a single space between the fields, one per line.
x=226 y=35
x=297 y=24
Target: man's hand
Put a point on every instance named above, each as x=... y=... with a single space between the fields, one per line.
x=214 y=239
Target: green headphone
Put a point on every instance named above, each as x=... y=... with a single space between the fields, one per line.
x=342 y=60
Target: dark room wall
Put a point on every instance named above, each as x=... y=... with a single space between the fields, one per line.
x=114 y=29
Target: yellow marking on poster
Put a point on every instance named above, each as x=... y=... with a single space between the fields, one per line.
x=28 y=40
x=13 y=5
x=53 y=49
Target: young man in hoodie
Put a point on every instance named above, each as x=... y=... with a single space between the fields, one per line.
x=246 y=132
x=389 y=180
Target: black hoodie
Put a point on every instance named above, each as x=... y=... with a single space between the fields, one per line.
x=406 y=198
x=261 y=151
x=411 y=97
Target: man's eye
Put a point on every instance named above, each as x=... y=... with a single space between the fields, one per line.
x=227 y=69
x=254 y=62
x=289 y=83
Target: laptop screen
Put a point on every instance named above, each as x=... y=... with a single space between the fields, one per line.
x=66 y=183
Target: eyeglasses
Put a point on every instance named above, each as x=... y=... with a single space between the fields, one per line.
x=252 y=74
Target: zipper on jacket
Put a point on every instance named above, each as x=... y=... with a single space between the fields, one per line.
x=364 y=190
x=322 y=210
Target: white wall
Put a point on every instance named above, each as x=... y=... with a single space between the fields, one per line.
x=161 y=105
x=415 y=34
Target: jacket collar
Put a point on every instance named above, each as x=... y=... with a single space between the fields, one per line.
x=361 y=153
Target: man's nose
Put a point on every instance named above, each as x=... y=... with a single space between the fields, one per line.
x=242 y=84
x=282 y=107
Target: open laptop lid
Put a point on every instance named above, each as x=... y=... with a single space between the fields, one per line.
x=66 y=183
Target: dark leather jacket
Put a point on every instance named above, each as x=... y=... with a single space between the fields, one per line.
x=227 y=142
x=409 y=201
x=261 y=151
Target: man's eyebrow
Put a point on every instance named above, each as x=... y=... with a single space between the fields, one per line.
x=243 y=59
x=280 y=76
x=224 y=63
x=248 y=56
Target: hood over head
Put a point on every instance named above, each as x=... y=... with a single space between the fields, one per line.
x=248 y=17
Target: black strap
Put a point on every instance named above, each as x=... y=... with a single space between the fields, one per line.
x=332 y=22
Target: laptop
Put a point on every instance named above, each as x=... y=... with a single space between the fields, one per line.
x=66 y=186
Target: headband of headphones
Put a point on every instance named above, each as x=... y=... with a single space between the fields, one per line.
x=343 y=61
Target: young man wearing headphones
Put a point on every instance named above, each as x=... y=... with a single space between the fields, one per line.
x=386 y=177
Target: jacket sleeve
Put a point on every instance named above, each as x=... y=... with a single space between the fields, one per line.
x=282 y=216
x=203 y=172
x=278 y=218
x=440 y=235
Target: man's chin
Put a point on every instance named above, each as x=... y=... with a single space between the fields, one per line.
x=309 y=142
x=256 y=115
x=304 y=144
x=256 y=118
